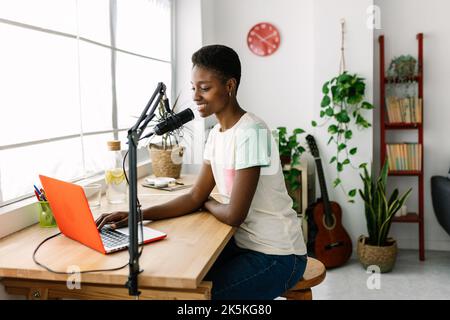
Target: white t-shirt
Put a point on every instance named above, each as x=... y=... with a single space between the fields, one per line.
x=271 y=226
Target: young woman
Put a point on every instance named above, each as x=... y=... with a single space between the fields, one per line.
x=267 y=254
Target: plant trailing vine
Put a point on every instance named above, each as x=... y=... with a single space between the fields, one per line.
x=342 y=102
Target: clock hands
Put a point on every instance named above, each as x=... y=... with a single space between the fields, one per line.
x=265 y=39
x=270 y=35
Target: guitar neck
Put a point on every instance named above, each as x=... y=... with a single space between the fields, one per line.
x=323 y=186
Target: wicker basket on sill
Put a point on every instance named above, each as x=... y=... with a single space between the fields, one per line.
x=166 y=162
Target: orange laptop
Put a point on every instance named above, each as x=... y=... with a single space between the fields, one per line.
x=75 y=220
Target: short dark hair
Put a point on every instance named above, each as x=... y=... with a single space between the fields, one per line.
x=220 y=59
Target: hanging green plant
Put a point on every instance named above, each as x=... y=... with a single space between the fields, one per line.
x=342 y=104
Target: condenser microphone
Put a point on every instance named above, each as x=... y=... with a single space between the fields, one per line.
x=174 y=122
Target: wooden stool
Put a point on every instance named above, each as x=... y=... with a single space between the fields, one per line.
x=314 y=274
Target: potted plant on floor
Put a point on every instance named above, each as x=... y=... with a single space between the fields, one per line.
x=378 y=249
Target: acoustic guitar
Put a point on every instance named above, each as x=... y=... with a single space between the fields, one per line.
x=331 y=244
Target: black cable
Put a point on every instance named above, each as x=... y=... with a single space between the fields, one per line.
x=141 y=215
x=64 y=272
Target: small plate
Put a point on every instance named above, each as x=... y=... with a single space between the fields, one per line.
x=160 y=181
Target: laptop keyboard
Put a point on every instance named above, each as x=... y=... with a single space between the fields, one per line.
x=113 y=238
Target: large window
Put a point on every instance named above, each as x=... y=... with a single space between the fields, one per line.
x=73 y=75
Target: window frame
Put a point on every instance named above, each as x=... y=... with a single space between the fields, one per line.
x=142 y=153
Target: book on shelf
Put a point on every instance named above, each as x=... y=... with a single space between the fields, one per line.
x=404 y=110
x=404 y=156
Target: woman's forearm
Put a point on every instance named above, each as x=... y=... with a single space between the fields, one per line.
x=177 y=207
x=222 y=212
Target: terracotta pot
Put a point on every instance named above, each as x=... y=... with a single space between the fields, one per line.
x=285 y=160
x=383 y=257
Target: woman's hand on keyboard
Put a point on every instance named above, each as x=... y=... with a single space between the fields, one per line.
x=115 y=220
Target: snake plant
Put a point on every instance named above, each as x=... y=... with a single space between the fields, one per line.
x=379 y=210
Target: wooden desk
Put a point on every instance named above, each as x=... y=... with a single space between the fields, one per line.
x=173 y=267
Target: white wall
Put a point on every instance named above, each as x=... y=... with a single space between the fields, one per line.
x=285 y=89
x=188 y=39
x=401 y=20
x=278 y=88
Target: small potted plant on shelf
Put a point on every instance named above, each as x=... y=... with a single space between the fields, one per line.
x=378 y=249
x=167 y=154
x=290 y=151
x=402 y=68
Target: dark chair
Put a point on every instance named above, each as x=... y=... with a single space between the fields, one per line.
x=440 y=194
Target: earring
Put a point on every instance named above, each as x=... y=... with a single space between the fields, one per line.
x=229 y=93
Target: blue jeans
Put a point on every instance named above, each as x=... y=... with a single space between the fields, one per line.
x=241 y=274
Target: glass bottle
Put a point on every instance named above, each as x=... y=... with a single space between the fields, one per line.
x=116 y=185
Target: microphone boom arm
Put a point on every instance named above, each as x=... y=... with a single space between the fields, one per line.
x=134 y=135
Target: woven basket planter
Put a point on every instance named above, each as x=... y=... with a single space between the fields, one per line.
x=383 y=257
x=168 y=162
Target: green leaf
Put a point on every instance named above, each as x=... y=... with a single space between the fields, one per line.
x=298 y=131
x=340 y=167
x=322 y=113
x=343 y=117
x=348 y=134
x=363 y=165
x=352 y=193
x=360 y=87
x=334 y=91
x=325 y=88
x=344 y=78
x=366 y=105
x=353 y=151
x=337 y=182
x=341 y=147
x=300 y=149
x=292 y=143
x=333 y=129
x=295 y=159
x=333 y=160
x=331 y=139
x=325 y=102
x=346 y=162
x=362 y=122
x=329 y=112
x=314 y=124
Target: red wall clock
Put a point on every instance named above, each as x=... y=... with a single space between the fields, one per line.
x=263 y=39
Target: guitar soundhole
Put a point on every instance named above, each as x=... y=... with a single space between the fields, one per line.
x=329 y=223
